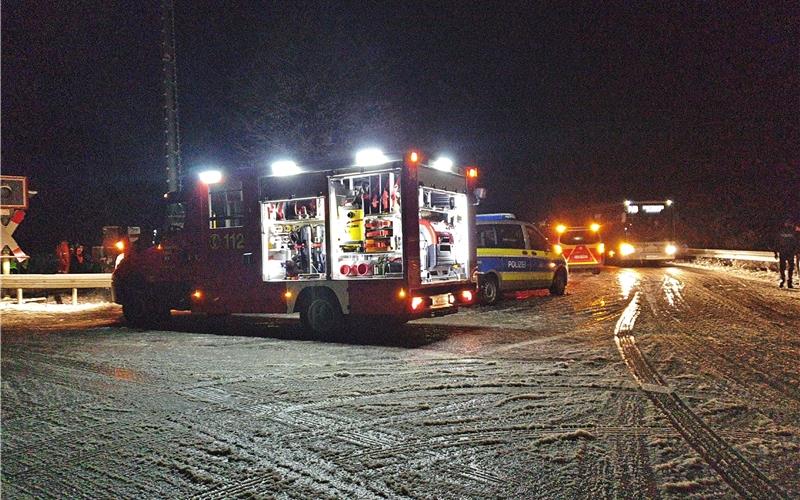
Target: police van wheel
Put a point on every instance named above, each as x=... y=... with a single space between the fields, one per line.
x=490 y=291
x=322 y=316
x=559 y=286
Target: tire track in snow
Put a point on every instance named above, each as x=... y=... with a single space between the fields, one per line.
x=735 y=470
x=728 y=368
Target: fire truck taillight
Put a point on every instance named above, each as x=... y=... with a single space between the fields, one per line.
x=472 y=173
x=466 y=296
x=416 y=303
x=197 y=295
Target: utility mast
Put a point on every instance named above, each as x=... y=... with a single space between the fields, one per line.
x=170 y=88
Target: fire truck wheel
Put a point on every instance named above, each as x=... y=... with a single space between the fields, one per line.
x=559 y=285
x=490 y=290
x=142 y=310
x=322 y=315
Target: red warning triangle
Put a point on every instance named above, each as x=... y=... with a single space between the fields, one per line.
x=580 y=254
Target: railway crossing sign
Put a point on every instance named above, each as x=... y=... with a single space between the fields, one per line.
x=13 y=203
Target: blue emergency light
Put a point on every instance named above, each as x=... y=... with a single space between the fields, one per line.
x=495 y=217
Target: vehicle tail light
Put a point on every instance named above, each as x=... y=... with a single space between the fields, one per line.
x=416 y=303
x=601 y=248
x=466 y=296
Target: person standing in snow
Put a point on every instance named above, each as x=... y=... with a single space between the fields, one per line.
x=63 y=255
x=786 y=246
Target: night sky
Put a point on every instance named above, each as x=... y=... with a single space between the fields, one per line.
x=562 y=109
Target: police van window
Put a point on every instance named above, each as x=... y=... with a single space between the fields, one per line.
x=487 y=237
x=226 y=205
x=537 y=241
x=510 y=236
x=579 y=237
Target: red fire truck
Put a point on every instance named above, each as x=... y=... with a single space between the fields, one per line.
x=384 y=237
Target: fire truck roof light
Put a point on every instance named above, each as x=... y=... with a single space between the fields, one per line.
x=370 y=157
x=210 y=176
x=443 y=163
x=284 y=168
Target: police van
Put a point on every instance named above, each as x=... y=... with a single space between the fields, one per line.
x=515 y=255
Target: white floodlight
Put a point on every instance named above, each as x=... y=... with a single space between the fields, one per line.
x=443 y=163
x=669 y=203
x=370 y=157
x=210 y=176
x=283 y=168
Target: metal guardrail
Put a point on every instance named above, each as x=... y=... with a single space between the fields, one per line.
x=54 y=281
x=749 y=255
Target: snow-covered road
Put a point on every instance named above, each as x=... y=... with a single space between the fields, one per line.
x=651 y=382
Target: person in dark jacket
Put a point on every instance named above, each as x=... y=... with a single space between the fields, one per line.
x=81 y=261
x=786 y=246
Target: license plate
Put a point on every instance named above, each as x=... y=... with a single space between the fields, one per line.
x=440 y=300
x=652 y=257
